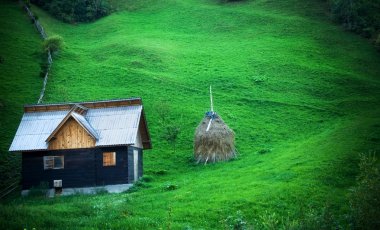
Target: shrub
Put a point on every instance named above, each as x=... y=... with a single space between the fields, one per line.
x=169 y=123
x=235 y=222
x=170 y=187
x=365 y=196
x=27 y=3
x=138 y=185
x=53 y=43
x=146 y=178
x=161 y=172
x=377 y=42
x=40 y=190
x=76 y=11
x=362 y=17
x=171 y=133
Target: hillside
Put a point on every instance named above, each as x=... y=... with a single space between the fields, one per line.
x=20 y=82
x=300 y=93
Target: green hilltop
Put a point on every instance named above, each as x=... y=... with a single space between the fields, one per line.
x=301 y=94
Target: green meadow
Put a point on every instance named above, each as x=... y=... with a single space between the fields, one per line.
x=301 y=94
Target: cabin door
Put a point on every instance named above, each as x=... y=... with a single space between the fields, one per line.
x=136 y=164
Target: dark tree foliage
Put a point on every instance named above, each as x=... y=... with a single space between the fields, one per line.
x=360 y=16
x=365 y=196
x=75 y=10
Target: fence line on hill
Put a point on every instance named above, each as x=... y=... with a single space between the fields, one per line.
x=13 y=186
x=42 y=33
x=8 y=190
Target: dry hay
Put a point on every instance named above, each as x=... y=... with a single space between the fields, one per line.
x=216 y=144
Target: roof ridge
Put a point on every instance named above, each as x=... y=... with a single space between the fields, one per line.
x=88 y=105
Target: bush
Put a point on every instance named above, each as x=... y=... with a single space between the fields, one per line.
x=40 y=190
x=76 y=11
x=53 y=43
x=170 y=187
x=365 y=196
x=377 y=42
x=362 y=17
x=138 y=185
x=235 y=222
x=146 y=178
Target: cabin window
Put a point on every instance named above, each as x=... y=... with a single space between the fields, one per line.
x=109 y=158
x=53 y=162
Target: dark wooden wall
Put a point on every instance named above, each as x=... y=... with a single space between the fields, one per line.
x=117 y=174
x=82 y=167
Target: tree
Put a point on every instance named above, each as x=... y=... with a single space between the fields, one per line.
x=169 y=123
x=53 y=44
x=171 y=133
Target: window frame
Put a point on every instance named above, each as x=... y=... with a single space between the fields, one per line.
x=51 y=165
x=110 y=160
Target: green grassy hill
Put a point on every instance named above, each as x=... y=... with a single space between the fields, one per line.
x=20 y=55
x=300 y=93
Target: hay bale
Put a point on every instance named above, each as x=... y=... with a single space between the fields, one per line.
x=216 y=144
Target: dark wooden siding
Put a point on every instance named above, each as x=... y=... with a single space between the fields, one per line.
x=82 y=168
x=78 y=169
x=117 y=174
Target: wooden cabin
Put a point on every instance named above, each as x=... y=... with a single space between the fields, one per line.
x=83 y=144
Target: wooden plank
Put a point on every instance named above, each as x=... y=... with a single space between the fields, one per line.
x=71 y=136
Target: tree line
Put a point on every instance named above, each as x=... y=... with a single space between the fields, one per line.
x=73 y=11
x=359 y=16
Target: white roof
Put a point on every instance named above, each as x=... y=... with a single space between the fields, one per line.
x=112 y=126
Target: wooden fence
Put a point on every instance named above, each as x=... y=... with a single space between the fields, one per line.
x=15 y=185
x=8 y=190
x=42 y=33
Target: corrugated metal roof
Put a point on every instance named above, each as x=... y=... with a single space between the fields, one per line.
x=85 y=124
x=35 y=128
x=112 y=126
x=115 y=126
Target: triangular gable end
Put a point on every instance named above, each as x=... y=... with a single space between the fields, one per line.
x=72 y=132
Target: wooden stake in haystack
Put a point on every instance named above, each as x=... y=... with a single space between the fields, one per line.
x=214 y=141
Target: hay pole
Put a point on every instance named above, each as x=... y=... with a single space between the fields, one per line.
x=212 y=104
x=212 y=111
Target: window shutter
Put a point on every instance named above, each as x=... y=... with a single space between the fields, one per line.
x=48 y=162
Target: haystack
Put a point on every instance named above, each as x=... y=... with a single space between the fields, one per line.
x=214 y=141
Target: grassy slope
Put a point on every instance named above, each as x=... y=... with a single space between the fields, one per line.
x=20 y=81
x=287 y=81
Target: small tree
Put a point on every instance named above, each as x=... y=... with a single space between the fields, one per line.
x=171 y=134
x=53 y=44
x=169 y=123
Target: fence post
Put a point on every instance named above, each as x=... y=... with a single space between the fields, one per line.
x=42 y=33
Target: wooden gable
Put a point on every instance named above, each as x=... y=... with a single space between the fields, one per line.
x=71 y=135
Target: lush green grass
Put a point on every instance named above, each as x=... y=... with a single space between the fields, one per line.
x=20 y=82
x=301 y=94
